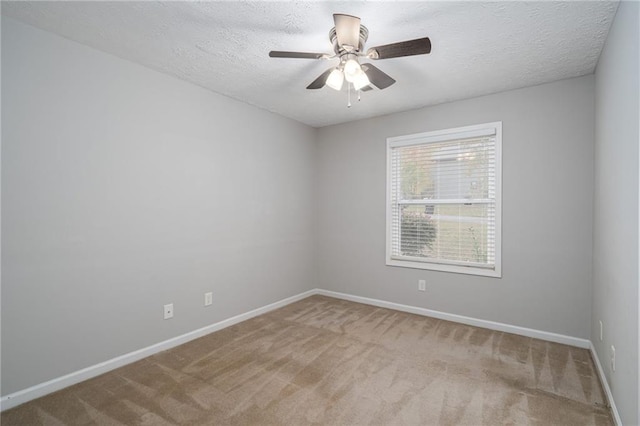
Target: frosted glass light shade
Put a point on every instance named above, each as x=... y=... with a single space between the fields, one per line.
x=351 y=68
x=335 y=79
x=360 y=80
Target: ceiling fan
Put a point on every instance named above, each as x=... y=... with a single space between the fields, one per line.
x=348 y=38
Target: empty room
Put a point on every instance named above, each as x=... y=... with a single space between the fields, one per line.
x=331 y=213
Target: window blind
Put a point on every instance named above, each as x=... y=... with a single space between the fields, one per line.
x=443 y=200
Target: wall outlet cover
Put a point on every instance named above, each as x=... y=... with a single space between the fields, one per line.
x=601 y=330
x=613 y=358
x=168 y=311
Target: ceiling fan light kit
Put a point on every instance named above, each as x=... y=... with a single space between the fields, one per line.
x=348 y=38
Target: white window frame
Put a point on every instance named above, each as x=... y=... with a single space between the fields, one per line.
x=441 y=136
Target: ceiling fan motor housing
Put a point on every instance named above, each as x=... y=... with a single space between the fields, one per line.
x=340 y=50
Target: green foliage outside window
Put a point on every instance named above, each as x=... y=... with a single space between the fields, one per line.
x=417 y=232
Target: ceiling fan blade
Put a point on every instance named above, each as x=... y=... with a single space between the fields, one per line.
x=299 y=55
x=319 y=82
x=418 y=46
x=366 y=88
x=347 y=30
x=377 y=77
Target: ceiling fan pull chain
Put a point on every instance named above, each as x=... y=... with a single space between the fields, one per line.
x=359 y=95
x=348 y=95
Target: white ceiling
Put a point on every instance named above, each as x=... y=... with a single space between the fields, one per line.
x=478 y=47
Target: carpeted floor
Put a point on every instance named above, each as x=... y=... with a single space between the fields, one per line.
x=332 y=362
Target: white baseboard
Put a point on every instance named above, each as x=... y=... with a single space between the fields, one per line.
x=514 y=329
x=605 y=385
x=58 y=383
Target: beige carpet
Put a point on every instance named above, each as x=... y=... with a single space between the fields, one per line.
x=332 y=362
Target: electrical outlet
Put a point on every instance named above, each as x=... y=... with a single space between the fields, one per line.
x=613 y=358
x=208 y=298
x=600 y=330
x=422 y=285
x=168 y=311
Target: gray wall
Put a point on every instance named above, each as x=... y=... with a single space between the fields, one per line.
x=124 y=189
x=615 y=235
x=547 y=203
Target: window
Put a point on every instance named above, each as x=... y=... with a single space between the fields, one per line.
x=443 y=200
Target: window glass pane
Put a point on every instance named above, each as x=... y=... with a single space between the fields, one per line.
x=459 y=233
x=449 y=170
x=416 y=173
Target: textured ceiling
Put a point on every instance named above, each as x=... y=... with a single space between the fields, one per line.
x=478 y=47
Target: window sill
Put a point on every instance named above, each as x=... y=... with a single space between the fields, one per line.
x=468 y=270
